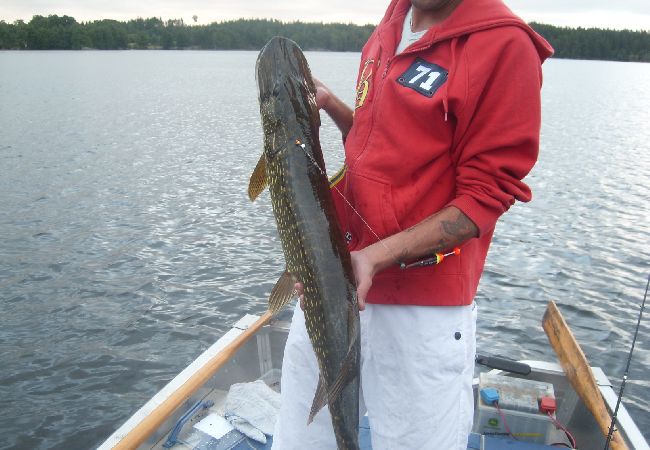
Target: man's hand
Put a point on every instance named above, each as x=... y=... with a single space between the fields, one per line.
x=322 y=94
x=363 y=269
x=340 y=113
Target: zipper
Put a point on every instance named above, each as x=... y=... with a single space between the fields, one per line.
x=378 y=92
x=373 y=112
x=383 y=75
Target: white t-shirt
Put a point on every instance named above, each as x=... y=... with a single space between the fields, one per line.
x=408 y=35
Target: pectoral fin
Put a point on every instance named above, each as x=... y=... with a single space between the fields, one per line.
x=257 y=183
x=282 y=292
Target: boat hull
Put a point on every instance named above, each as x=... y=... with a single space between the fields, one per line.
x=261 y=357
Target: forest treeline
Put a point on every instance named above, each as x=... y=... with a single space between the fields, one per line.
x=596 y=43
x=65 y=33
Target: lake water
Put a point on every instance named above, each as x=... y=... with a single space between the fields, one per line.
x=128 y=245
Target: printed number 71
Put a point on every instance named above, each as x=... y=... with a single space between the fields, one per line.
x=432 y=76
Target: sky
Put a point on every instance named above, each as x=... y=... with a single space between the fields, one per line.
x=630 y=14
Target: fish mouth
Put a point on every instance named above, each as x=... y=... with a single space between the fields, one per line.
x=283 y=56
x=284 y=83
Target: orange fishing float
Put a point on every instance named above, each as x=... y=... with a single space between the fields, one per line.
x=437 y=259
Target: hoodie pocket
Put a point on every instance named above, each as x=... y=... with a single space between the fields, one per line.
x=375 y=215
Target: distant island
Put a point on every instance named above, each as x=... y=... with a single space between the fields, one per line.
x=65 y=33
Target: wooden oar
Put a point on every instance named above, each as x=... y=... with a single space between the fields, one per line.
x=149 y=424
x=578 y=371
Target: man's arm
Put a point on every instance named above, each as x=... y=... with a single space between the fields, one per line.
x=444 y=230
x=340 y=113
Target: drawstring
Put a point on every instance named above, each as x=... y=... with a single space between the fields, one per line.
x=452 y=68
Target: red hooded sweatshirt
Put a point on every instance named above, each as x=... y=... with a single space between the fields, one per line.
x=453 y=120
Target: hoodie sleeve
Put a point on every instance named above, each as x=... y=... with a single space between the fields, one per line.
x=497 y=134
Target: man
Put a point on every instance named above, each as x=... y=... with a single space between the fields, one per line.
x=445 y=127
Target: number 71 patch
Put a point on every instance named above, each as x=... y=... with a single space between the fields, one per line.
x=424 y=77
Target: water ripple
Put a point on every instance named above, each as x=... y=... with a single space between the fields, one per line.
x=129 y=245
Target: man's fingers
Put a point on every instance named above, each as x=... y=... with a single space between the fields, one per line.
x=322 y=94
x=362 y=292
x=299 y=290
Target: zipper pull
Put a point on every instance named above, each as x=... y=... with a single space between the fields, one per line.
x=383 y=75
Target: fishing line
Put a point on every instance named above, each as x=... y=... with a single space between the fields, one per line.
x=612 y=426
x=381 y=241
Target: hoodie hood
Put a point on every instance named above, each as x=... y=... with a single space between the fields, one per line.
x=469 y=16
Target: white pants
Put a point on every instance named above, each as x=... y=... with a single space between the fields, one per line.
x=417 y=364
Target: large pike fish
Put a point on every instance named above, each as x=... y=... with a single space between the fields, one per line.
x=292 y=166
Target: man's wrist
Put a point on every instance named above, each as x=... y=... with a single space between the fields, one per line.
x=379 y=256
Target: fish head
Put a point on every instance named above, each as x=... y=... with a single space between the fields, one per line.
x=287 y=97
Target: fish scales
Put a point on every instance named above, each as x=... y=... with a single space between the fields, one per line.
x=312 y=241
